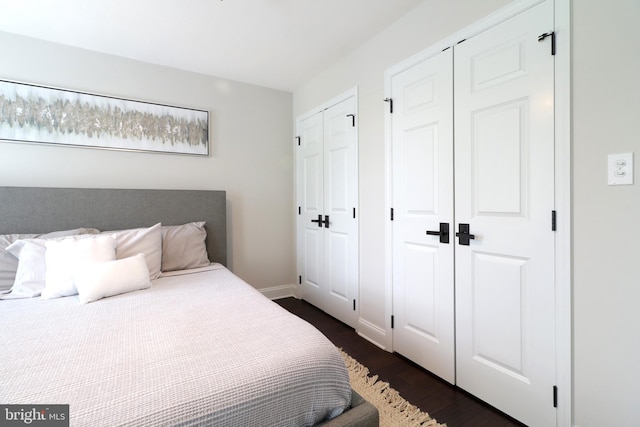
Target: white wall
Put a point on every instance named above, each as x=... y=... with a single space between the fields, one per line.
x=606 y=261
x=606 y=111
x=251 y=133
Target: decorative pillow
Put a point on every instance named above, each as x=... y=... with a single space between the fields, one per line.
x=184 y=247
x=64 y=257
x=141 y=240
x=112 y=278
x=28 y=277
x=8 y=262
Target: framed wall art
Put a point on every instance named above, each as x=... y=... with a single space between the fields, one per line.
x=39 y=114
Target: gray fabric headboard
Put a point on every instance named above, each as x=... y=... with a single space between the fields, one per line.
x=41 y=210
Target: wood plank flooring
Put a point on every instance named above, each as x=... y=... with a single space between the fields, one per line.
x=444 y=402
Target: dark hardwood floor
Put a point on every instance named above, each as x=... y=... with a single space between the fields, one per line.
x=444 y=402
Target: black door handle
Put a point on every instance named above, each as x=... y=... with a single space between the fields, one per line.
x=443 y=233
x=464 y=235
x=319 y=220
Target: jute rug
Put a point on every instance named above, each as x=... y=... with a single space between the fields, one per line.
x=394 y=410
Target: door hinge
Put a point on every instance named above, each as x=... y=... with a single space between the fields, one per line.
x=552 y=34
x=390 y=101
x=392 y=321
x=353 y=119
x=553 y=220
x=354 y=213
x=391 y=214
x=299 y=210
x=354 y=305
x=555 y=396
x=298 y=138
x=299 y=280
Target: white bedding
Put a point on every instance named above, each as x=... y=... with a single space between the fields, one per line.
x=195 y=349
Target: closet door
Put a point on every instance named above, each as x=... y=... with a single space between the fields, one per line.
x=504 y=198
x=327 y=230
x=310 y=195
x=422 y=194
x=340 y=197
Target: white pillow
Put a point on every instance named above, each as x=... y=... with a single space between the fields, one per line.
x=112 y=278
x=141 y=240
x=9 y=262
x=30 y=276
x=64 y=257
x=184 y=247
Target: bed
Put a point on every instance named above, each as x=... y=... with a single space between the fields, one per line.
x=189 y=344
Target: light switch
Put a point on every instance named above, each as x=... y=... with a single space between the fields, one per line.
x=620 y=169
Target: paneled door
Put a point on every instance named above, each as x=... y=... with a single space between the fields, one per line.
x=310 y=194
x=504 y=202
x=422 y=175
x=327 y=230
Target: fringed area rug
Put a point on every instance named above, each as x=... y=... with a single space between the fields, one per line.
x=394 y=410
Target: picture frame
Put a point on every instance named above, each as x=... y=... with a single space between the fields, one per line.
x=31 y=113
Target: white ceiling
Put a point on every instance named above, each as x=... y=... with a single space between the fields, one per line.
x=274 y=43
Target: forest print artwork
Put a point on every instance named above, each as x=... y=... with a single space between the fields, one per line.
x=30 y=113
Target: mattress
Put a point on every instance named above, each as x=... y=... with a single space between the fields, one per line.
x=200 y=348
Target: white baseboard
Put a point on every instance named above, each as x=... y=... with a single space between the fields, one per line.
x=283 y=291
x=372 y=333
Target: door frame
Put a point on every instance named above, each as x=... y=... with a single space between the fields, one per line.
x=563 y=194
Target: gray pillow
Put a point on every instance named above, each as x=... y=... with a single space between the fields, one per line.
x=184 y=247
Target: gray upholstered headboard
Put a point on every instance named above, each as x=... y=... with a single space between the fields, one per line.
x=41 y=210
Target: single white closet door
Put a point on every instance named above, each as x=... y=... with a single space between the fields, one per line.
x=310 y=189
x=422 y=197
x=340 y=199
x=504 y=199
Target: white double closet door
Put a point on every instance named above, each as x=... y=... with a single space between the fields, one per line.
x=472 y=147
x=327 y=195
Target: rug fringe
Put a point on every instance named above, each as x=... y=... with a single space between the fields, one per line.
x=394 y=409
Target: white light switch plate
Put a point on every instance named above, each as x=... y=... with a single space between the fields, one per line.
x=620 y=169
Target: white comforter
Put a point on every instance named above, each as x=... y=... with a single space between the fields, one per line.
x=195 y=349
